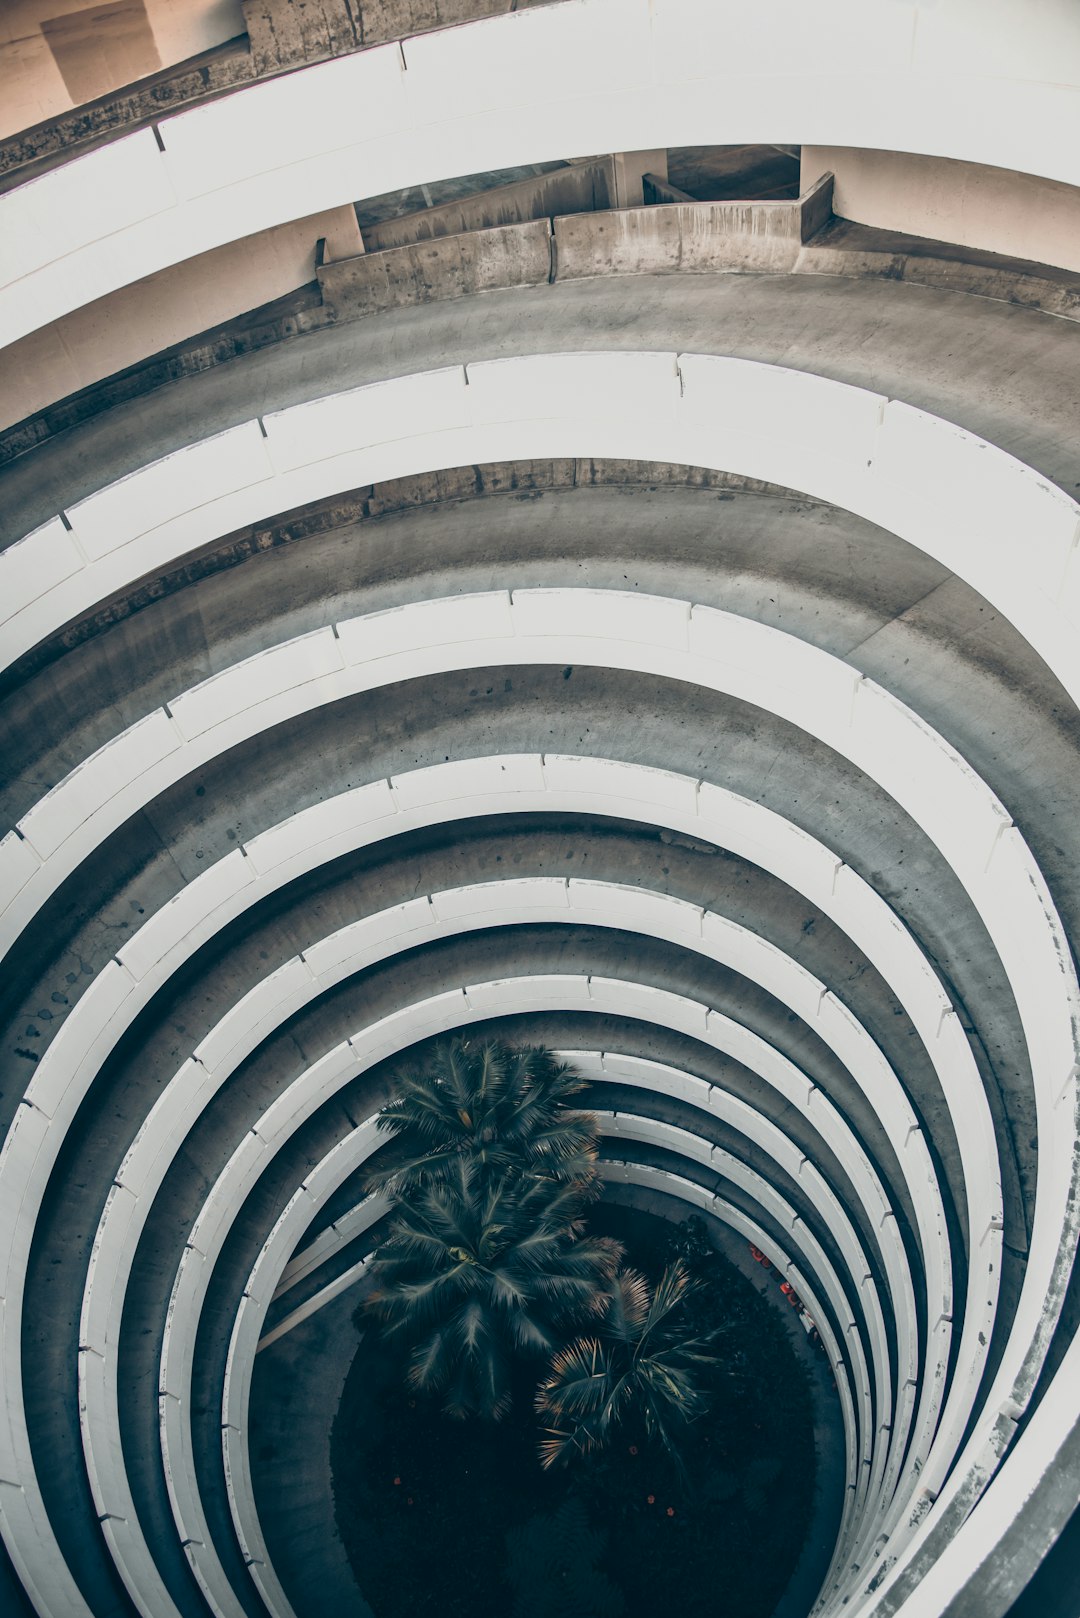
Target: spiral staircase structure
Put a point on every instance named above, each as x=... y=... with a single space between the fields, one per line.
x=652 y=630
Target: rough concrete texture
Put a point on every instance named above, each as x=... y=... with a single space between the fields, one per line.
x=446 y=267
x=298 y=1387
x=711 y=303
x=284 y=33
x=747 y=239
x=32 y=151
x=575 y=188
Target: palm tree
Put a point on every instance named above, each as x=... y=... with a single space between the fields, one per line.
x=641 y=1367
x=480 y=1270
x=505 y=1110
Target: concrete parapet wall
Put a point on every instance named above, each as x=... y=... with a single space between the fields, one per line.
x=844 y=444
x=430 y=271
x=578 y=188
x=687 y=236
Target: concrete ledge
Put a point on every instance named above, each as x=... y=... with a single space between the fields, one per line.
x=630 y=241
x=943 y=489
x=444 y=267
x=691 y=237
x=863 y=252
x=581 y=187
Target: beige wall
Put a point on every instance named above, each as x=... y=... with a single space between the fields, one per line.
x=140 y=320
x=997 y=210
x=57 y=54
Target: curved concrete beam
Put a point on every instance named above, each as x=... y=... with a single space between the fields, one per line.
x=244 y=1341
x=945 y=491
x=748 y=660
x=331 y=959
x=384 y=1038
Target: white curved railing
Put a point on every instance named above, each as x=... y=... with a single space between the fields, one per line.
x=445 y=792
x=273 y=1259
x=944 y=490
x=1045 y=1092
x=751 y=661
x=422 y=920
x=380 y=1040
x=588 y=76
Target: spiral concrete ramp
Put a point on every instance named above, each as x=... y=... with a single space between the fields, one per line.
x=651 y=629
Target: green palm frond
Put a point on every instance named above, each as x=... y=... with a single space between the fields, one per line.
x=485 y=1259
x=641 y=1365
x=673 y=1286
x=505 y=1108
x=560 y=1445
x=431 y=1364
x=627 y=1305
x=579 y=1384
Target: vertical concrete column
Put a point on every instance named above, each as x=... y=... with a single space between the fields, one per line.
x=629 y=168
x=343 y=238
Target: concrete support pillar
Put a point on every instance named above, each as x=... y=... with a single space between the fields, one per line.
x=629 y=168
x=343 y=238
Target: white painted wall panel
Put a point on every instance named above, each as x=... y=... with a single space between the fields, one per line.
x=598 y=387
x=85 y=199
x=647 y=1004
x=351 y=948
x=479 y=778
x=652 y=620
x=18 y=863
x=254 y=1015
x=188 y=918
x=322 y=831
x=378 y=413
x=35 y=566
x=518 y=896
x=399 y=631
x=281 y=122
x=165 y=490
x=280 y=671
x=632 y=785
x=109 y=785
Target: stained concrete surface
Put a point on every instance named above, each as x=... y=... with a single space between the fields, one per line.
x=1009 y=374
